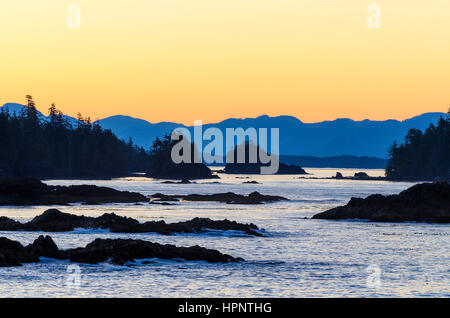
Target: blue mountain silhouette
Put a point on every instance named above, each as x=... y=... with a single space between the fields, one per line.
x=338 y=137
x=324 y=139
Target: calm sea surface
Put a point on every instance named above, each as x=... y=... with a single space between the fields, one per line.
x=297 y=257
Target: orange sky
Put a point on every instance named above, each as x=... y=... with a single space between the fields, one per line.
x=180 y=60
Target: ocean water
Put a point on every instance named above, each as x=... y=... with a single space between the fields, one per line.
x=298 y=257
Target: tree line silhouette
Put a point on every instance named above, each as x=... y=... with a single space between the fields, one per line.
x=54 y=148
x=422 y=156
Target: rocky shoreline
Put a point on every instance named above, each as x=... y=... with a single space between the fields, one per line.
x=425 y=202
x=116 y=251
x=31 y=191
x=54 y=220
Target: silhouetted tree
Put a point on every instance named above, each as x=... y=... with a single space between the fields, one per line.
x=422 y=156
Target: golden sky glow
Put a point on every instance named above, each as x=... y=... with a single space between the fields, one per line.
x=180 y=60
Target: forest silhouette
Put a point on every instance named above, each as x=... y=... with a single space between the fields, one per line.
x=422 y=155
x=53 y=148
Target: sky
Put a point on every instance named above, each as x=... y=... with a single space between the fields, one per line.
x=186 y=60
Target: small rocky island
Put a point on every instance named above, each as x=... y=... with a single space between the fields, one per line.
x=248 y=167
x=358 y=176
x=162 y=165
x=116 y=251
x=228 y=197
x=255 y=168
x=425 y=202
x=54 y=220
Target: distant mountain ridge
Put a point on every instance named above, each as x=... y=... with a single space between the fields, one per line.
x=339 y=137
x=324 y=139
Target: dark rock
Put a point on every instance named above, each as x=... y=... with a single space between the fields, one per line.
x=361 y=175
x=7 y=224
x=44 y=246
x=183 y=181
x=120 y=251
x=56 y=221
x=117 y=251
x=425 y=202
x=12 y=253
x=247 y=167
x=338 y=175
x=190 y=171
x=255 y=168
x=250 y=182
x=228 y=197
x=31 y=191
x=200 y=224
x=160 y=203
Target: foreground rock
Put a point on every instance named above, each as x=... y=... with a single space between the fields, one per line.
x=228 y=197
x=31 y=191
x=425 y=202
x=117 y=251
x=12 y=253
x=54 y=220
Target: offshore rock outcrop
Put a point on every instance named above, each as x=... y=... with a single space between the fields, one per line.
x=54 y=220
x=425 y=202
x=116 y=251
x=255 y=168
x=31 y=191
x=249 y=158
x=163 y=165
x=227 y=197
x=181 y=171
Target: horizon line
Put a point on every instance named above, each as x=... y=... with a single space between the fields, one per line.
x=240 y=118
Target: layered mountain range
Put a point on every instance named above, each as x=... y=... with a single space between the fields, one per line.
x=339 y=137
